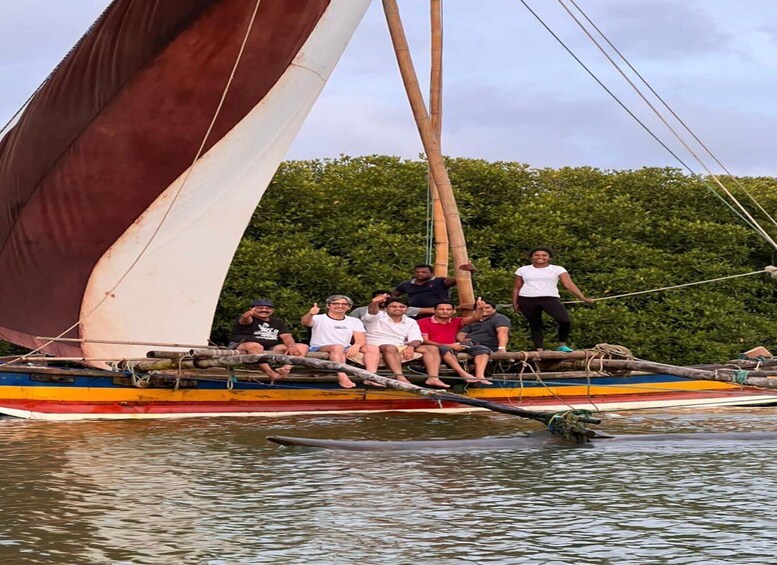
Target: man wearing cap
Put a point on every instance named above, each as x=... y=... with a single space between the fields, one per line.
x=256 y=331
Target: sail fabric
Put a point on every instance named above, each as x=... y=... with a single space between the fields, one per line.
x=95 y=186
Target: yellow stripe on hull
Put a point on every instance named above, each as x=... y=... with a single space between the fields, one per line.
x=70 y=394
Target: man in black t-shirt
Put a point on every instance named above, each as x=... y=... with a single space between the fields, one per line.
x=425 y=290
x=256 y=331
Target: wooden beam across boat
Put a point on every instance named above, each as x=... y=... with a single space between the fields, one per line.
x=570 y=425
x=756 y=378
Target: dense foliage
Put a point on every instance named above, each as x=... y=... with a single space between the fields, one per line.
x=353 y=225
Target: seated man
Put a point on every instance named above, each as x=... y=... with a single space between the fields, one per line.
x=441 y=329
x=256 y=331
x=412 y=311
x=341 y=336
x=395 y=336
x=482 y=338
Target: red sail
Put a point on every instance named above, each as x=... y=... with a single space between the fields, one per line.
x=109 y=137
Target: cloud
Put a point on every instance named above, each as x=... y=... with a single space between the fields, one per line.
x=510 y=92
x=661 y=29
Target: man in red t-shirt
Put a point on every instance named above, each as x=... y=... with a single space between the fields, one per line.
x=440 y=330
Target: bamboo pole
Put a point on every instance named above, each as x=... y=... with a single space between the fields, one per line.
x=116 y=342
x=754 y=378
x=458 y=245
x=435 y=108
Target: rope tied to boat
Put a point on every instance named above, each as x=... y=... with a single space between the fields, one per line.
x=610 y=350
x=570 y=425
x=740 y=376
x=602 y=351
x=138 y=381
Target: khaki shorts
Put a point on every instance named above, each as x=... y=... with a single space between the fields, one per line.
x=359 y=358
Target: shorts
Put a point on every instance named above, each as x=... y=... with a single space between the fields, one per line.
x=314 y=348
x=469 y=348
x=476 y=349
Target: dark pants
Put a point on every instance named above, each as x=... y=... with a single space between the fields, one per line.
x=532 y=308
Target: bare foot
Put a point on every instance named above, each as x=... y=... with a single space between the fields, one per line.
x=284 y=371
x=345 y=382
x=469 y=379
x=483 y=381
x=434 y=381
x=402 y=379
x=373 y=383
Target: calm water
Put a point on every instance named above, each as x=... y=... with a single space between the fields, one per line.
x=214 y=491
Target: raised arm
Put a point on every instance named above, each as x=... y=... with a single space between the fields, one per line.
x=451 y=281
x=476 y=315
x=307 y=319
x=374 y=306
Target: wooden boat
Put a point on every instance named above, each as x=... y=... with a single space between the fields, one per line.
x=147 y=150
x=57 y=393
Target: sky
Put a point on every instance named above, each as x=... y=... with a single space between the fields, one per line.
x=511 y=92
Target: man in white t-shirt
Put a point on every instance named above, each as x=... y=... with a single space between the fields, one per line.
x=341 y=336
x=536 y=291
x=395 y=336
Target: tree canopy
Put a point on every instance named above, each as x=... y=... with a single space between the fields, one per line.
x=356 y=224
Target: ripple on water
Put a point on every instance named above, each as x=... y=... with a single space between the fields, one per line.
x=214 y=491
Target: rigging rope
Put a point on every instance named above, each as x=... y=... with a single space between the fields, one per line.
x=633 y=116
x=674 y=132
x=770 y=269
x=672 y=112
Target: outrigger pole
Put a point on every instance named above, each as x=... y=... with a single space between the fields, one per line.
x=429 y=139
x=435 y=111
x=569 y=425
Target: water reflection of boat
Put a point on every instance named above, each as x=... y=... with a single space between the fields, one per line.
x=127 y=182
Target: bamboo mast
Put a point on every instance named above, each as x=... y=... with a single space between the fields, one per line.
x=458 y=245
x=435 y=108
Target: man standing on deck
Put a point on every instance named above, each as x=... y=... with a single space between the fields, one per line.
x=441 y=330
x=341 y=336
x=482 y=338
x=256 y=331
x=425 y=290
x=397 y=337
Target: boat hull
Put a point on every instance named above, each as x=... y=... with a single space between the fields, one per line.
x=60 y=394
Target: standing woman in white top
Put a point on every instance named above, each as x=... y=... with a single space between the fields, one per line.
x=536 y=291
